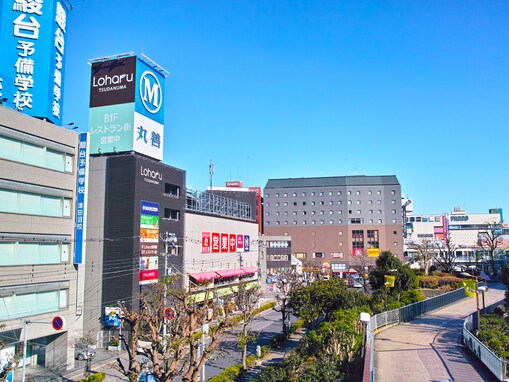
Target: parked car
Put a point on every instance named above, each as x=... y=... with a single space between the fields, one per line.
x=81 y=353
x=355 y=281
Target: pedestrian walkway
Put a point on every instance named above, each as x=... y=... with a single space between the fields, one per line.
x=429 y=348
x=274 y=357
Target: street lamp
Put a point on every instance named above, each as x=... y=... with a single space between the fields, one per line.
x=365 y=319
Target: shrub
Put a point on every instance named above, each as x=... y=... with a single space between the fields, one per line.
x=277 y=341
x=265 y=307
x=229 y=374
x=97 y=377
x=296 y=325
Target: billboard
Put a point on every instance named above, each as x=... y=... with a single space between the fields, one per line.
x=149 y=242
x=81 y=199
x=127 y=107
x=32 y=52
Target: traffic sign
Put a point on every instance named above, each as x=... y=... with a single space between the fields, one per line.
x=57 y=323
x=169 y=313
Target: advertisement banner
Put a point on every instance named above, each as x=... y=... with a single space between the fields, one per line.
x=149 y=208
x=81 y=199
x=373 y=252
x=149 y=92
x=148 y=235
x=149 y=249
x=148 y=263
x=33 y=37
x=240 y=243
x=205 y=242
x=111 y=128
x=224 y=243
x=246 y=243
x=149 y=277
x=233 y=243
x=149 y=221
x=113 y=82
x=216 y=242
x=148 y=137
x=357 y=252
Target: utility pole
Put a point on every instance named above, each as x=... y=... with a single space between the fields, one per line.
x=170 y=242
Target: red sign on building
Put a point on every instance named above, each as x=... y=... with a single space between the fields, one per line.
x=216 y=246
x=205 y=242
x=224 y=243
x=240 y=242
x=233 y=243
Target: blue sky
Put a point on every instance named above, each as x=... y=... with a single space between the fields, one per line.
x=276 y=89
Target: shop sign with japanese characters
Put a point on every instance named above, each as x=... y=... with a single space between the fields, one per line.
x=81 y=199
x=32 y=55
x=214 y=242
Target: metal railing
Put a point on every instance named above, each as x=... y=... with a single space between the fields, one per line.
x=403 y=314
x=498 y=366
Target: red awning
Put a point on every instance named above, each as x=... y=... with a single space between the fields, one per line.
x=250 y=270
x=230 y=272
x=204 y=276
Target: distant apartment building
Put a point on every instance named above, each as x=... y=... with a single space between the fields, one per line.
x=461 y=227
x=38 y=278
x=333 y=220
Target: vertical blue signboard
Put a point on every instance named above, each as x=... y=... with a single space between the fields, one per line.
x=81 y=198
x=32 y=50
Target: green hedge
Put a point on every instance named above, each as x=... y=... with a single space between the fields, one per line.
x=229 y=374
x=97 y=377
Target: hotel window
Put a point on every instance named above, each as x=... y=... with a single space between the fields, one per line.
x=378 y=202
x=393 y=211
x=393 y=192
x=285 y=204
x=294 y=203
x=393 y=202
x=370 y=211
x=285 y=194
x=370 y=221
x=277 y=194
x=267 y=213
x=358 y=212
x=304 y=222
x=331 y=221
x=358 y=192
x=303 y=194
x=304 y=212
x=379 y=221
x=322 y=212
x=339 y=193
x=277 y=213
x=278 y=222
x=379 y=211
x=331 y=203
x=330 y=193
x=378 y=192
x=313 y=193
x=294 y=194
x=322 y=222
x=395 y=243
x=321 y=193
x=358 y=202
x=286 y=213
x=322 y=203
x=268 y=222
x=340 y=202
x=349 y=192
x=394 y=221
x=303 y=203
x=286 y=222
x=340 y=221
x=370 y=202
x=340 y=212
x=267 y=195
x=370 y=192
x=277 y=204
x=313 y=203
x=331 y=212
x=294 y=213
x=349 y=202
x=295 y=222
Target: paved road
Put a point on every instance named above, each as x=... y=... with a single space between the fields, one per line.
x=428 y=349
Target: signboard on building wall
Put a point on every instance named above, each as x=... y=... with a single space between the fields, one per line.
x=373 y=252
x=149 y=242
x=215 y=242
x=33 y=37
x=127 y=107
x=81 y=199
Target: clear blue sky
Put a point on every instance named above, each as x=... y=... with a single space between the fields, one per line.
x=276 y=89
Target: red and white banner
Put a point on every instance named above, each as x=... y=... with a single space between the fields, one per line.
x=216 y=245
x=205 y=242
x=224 y=243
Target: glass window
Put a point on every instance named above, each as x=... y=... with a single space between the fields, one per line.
x=10 y=149
x=32 y=154
x=55 y=160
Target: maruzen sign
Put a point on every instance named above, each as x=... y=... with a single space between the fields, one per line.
x=126 y=106
x=214 y=242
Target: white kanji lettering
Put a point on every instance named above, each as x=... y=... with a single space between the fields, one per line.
x=24 y=66
x=23 y=82
x=22 y=100
x=56 y=109
x=58 y=77
x=59 y=40
x=57 y=93
x=26 y=29
x=58 y=65
x=61 y=16
x=26 y=47
x=28 y=6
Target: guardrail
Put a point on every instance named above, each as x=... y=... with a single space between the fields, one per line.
x=403 y=314
x=498 y=366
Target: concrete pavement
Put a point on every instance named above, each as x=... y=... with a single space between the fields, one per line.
x=429 y=348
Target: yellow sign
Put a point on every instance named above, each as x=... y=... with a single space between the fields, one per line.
x=373 y=252
x=389 y=281
x=470 y=287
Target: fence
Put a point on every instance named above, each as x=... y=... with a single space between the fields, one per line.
x=403 y=314
x=497 y=365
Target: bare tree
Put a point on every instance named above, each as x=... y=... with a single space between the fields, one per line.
x=285 y=283
x=362 y=264
x=490 y=239
x=426 y=253
x=445 y=254
x=175 y=354
x=247 y=299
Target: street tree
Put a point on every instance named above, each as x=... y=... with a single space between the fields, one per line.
x=285 y=284
x=426 y=252
x=445 y=254
x=490 y=240
x=247 y=300
x=362 y=265
x=175 y=354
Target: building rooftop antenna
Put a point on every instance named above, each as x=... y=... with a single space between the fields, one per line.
x=211 y=172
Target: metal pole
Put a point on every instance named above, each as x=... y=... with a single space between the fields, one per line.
x=202 y=354
x=477 y=301
x=25 y=329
